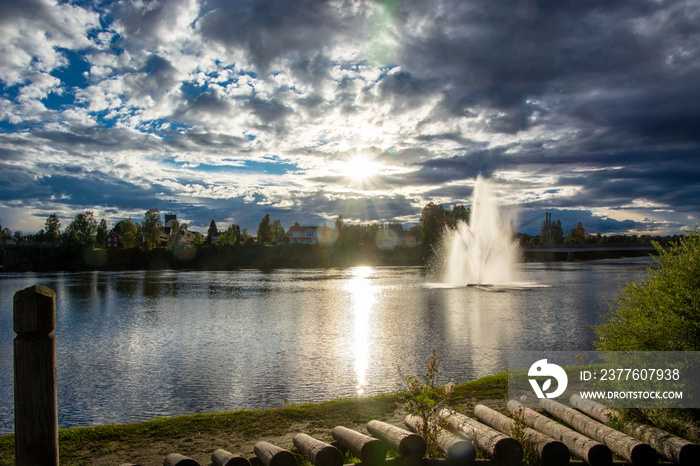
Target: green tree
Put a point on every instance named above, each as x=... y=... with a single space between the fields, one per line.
x=661 y=313
x=174 y=232
x=129 y=232
x=212 y=232
x=557 y=233
x=433 y=219
x=102 y=232
x=5 y=233
x=459 y=213
x=265 y=230
x=82 y=229
x=52 y=228
x=279 y=234
x=577 y=235
x=231 y=236
x=152 y=228
x=198 y=239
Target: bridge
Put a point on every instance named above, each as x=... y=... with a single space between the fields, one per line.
x=549 y=249
x=589 y=251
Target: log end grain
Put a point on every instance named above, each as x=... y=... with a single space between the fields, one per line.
x=508 y=451
x=555 y=454
x=373 y=452
x=329 y=456
x=224 y=458
x=461 y=453
x=600 y=455
x=644 y=455
x=413 y=445
x=689 y=454
x=176 y=459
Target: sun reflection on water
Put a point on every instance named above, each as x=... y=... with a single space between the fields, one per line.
x=363 y=295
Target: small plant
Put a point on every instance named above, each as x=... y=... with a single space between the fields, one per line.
x=517 y=431
x=425 y=400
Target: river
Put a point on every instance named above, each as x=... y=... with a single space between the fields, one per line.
x=135 y=345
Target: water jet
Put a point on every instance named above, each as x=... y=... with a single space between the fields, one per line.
x=482 y=252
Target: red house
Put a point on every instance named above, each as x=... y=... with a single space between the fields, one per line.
x=113 y=240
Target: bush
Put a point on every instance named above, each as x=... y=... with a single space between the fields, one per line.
x=661 y=313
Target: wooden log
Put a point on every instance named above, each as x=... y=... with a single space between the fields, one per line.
x=628 y=448
x=318 y=452
x=36 y=407
x=676 y=449
x=551 y=452
x=591 y=452
x=458 y=450
x=224 y=458
x=176 y=459
x=400 y=440
x=369 y=450
x=272 y=455
x=502 y=449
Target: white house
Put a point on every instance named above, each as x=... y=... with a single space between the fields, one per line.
x=303 y=234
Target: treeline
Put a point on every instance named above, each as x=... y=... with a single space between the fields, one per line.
x=578 y=235
x=149 y=244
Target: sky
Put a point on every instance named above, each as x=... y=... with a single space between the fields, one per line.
x=308 y=109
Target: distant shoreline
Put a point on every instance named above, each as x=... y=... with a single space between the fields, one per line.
x=217 y=258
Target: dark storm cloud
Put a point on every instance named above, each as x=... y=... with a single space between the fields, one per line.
x=563 y=54
x=270 y=29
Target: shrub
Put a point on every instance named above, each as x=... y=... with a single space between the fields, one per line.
x=661 y=313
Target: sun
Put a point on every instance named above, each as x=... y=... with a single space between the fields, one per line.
x=360 y=168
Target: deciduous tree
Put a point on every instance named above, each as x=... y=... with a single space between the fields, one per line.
x=265 y=230
x=152 y=228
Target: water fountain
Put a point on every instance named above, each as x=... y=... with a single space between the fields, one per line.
x=481 y=252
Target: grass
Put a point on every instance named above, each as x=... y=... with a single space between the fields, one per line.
x=78 y=445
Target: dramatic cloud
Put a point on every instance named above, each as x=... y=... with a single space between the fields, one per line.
x=306 y=109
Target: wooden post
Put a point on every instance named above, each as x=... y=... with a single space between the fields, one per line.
x=551 y=452
x=502 y=449
x=402 y=441
x=629 y=448
x=272 y=455
x=318 y=452
x=591 y=452
x=223 y=458
x=458 y=450
x=176 y=459
x=36 y=407
x=369 y=450
x=678 y=450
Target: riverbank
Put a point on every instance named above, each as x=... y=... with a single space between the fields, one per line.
x=147 y=443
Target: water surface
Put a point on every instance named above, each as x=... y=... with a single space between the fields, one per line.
x=135 y=345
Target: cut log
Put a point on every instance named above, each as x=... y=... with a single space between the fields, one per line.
x=503 y=450
x=551 y=452
x=458 y=450
x=369 y=450
x=318 y=452
x=176 y=459
x=629 y=448
x=272 y=455
x=676 y=449
x=591 y=452
x=400 y=440
x=224 y=458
